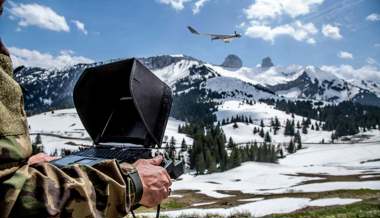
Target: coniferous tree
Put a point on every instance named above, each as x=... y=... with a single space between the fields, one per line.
x=267 y=138
x=235 y=159
x=254 y=130
x=261 y=134
x=200 y=164
x=291 y=147
x=210 y=162
x=37 y=146
x=235 y=126
x=316 y=126
x=183 y=145
x=171 y=150
x=280 y=151
x=276 y=126
x=298 y=125
x=231 y=143
x=297 y=140
x=304 y=129
x=289 y=128
x=262 y=124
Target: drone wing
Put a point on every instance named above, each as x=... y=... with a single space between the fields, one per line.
x=193 y=31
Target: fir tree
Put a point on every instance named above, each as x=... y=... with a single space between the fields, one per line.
x=298 y=125
x=200 y=164
x=235 y=126
x=297 y=140
x=37 y=146
x=261 y=134
x=316 y=126
x=276 y=126
x=254 y=131
x=171 y=150
x=267 y=138
x=183 y=145
x=304 y=129
x=291 y=147
x=235 y=158
x=231 y=143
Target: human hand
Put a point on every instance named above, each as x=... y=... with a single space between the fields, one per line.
x=155 y=180
x=39 y=158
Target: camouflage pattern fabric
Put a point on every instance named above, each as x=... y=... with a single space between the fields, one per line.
x=43 y=190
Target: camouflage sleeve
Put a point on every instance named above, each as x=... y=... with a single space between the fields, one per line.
x=43 y=190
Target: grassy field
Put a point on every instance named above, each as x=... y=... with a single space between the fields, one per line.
x=368 y=207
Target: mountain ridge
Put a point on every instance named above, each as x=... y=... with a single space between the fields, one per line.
x=47 y=89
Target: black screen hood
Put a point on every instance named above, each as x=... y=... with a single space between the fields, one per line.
x=123 y=102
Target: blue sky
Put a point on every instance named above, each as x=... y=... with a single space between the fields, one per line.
x=305 y=32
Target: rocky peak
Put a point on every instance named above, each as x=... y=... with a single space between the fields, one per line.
x=267 y=63
x=232 y=61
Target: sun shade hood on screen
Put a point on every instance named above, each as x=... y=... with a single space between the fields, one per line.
x=123 y=102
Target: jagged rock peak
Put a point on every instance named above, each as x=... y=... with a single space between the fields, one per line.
x=267 y=63
x=232 y=61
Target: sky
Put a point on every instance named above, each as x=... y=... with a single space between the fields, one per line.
x=325 y=33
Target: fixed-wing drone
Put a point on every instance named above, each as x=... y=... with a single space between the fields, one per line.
x=224 y=38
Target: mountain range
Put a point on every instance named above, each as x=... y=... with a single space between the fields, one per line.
x=198 y=81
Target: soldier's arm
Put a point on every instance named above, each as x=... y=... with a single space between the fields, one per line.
x=43 y=190
x=104 y=190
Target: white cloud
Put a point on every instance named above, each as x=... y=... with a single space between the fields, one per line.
x=38 y=15
x=34 y=58
x=271 y=9
x=349 y=73
x=345 y=55
x=198 y=5
x=175 y=4
x=296 y=30
x=373 y=17
x=80 y=26
x=377 y=45
x=331 y=31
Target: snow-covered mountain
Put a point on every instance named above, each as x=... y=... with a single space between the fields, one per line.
x=47 y=89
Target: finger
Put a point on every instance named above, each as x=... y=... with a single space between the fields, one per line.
x=50 y=158
x=166 y=174
x=168 y=190
x=156 y=160
x=165 y=193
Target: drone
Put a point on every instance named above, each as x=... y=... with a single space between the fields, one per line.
x=225 y=38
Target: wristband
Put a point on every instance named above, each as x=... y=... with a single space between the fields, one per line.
x=134 y=176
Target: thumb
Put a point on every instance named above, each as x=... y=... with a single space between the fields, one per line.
x=156 y=160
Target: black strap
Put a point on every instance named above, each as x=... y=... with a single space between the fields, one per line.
x=134 y=176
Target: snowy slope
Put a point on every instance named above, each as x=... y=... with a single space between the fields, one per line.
x=265 y=178
x=176 y=71
x=64 y=126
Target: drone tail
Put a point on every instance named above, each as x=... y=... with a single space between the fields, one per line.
x=192 y=30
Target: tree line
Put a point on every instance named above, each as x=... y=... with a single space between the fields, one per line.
x=345 y=118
